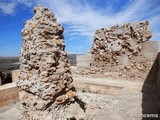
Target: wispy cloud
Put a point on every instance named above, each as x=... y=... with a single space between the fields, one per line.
x=7 y=8
x=28 y=3
x=84 y=17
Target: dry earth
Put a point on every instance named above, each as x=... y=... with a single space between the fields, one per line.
x=123 y=104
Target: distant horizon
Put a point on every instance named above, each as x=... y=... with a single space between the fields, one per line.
x=80 y=18
x=78 y=53
x=19 y=55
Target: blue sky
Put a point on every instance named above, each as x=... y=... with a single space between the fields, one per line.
x=80 y=18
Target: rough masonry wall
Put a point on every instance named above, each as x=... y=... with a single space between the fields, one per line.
x=120 y=47
x=119 y=40
x=45 y=79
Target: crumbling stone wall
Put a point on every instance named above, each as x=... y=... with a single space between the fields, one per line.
x=119 y=40
x=120 y=49
x=45 y=80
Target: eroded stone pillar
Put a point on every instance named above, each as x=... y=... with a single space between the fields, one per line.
x=46 y=90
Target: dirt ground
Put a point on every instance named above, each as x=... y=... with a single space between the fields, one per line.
x=125 y=104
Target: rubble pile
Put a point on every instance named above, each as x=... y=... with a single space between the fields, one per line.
x=45 y=80
x=119 y=47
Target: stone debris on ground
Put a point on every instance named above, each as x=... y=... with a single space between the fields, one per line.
x=100 y=106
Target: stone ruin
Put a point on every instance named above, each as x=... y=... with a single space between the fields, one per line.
x=45 y=80
x=122 y=51
x=119 y=40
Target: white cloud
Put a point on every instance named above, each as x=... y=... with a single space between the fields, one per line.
x=7 y=8
x=83 y=19
x=28 y=3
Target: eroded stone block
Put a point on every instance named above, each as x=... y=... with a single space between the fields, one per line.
x=45 y=80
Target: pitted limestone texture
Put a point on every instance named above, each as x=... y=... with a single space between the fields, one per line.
x=45 y=77
x=124 y=50
x=120 y=40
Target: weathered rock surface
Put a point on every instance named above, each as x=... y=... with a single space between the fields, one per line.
x=123 y=49
x=119 y=40
x=46 y=90
x=15 y=75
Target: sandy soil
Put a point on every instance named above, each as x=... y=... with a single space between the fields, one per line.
x=9 y=112
x=125 y=105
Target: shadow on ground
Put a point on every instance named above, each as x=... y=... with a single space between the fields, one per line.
x=151 y=93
